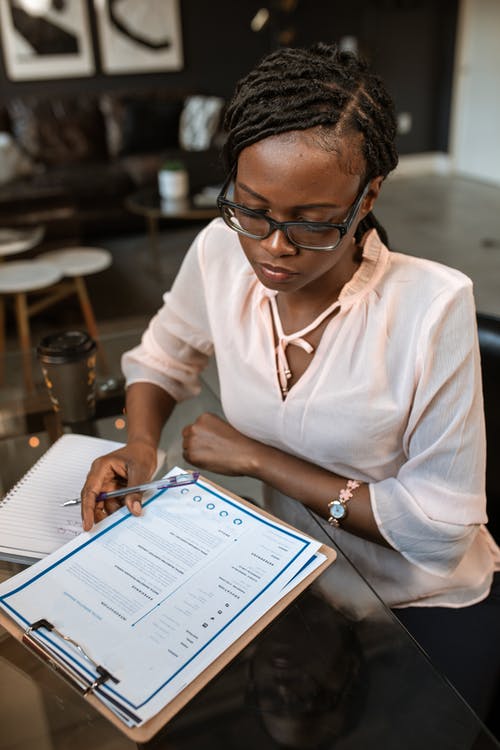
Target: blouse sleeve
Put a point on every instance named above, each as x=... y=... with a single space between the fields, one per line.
x=431 y=510
x=177 y=344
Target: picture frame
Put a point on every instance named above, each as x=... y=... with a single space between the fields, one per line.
x=52 y=44
x=139 y=37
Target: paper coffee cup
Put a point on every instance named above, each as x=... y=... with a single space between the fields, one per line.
x=68 y=362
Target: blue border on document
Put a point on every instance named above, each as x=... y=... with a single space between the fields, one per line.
x=70 y=657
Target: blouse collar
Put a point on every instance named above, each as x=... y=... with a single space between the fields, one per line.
x=373 y=262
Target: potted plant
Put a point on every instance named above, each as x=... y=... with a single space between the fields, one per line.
x=173 y=180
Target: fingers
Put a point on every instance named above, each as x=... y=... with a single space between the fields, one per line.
x=134 y=503
x=106 y=473
x=141 y=463
x=212 y=443
x=112 y=505
x=89 y=507
x=129 y=466
x=94 y=511
x=99 y=512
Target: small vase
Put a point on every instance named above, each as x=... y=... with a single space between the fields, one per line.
x=173 y=184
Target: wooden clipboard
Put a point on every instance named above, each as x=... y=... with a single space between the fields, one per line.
x=147 y=730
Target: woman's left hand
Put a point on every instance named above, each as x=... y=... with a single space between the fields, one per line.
x=211 y=443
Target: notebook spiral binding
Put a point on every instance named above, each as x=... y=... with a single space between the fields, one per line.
x=10 y=494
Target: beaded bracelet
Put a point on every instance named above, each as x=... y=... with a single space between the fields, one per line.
x=338 y=508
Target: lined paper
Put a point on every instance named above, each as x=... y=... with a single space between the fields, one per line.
x=32 y=521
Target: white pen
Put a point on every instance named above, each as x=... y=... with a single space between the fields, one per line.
x=160 y=484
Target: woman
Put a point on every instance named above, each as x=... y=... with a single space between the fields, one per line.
x=349 y=375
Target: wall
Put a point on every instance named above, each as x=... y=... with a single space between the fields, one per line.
x=409 y=42
x=475 y=145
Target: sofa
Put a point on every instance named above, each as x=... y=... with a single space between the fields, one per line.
x=73 y=161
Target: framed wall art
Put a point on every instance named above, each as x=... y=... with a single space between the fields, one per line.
x=45 y=39
x=139 y=37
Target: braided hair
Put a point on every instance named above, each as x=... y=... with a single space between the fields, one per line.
x=322 y=87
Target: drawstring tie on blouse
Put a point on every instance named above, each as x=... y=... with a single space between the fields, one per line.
x=296 y=339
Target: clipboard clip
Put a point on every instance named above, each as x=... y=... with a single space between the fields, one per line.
x=62 y=667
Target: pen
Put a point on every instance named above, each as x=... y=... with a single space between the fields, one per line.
x=160 y=484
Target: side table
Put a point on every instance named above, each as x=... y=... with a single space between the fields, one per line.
x=149 y=204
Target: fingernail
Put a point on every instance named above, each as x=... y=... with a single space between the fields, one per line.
x=137 y=507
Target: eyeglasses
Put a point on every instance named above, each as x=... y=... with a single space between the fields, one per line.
x=308 y=235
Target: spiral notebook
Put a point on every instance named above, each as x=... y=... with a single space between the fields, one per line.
x=32 y=521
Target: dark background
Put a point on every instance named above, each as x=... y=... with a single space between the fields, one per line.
x=410 y=43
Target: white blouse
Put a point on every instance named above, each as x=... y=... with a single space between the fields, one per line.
x=391 y=397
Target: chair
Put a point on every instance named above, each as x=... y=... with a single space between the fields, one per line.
x=52 y=276
x=74 y=264
x=489 y=346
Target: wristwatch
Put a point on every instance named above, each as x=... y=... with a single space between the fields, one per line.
x=337 y=508
x=338 y=511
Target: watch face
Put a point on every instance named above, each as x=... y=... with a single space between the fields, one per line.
x=337 y=510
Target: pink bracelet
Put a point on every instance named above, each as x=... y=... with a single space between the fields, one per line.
x=337 y=508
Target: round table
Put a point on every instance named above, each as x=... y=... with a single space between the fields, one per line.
x=13 y=241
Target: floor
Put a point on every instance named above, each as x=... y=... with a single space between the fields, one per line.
x=452 y=220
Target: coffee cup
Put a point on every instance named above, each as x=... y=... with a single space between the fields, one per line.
x=68 y=362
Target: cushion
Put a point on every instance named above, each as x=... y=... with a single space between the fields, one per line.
x=13 y=162
x=200 y=121
x=57 y=130
x=80 y=183
x=140 y=124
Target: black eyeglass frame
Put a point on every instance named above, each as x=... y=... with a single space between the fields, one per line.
x=283 y=226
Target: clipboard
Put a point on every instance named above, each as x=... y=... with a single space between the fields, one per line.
x=152 y=726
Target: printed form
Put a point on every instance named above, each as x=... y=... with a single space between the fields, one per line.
x=156 y=599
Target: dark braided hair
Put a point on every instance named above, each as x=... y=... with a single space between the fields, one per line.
x=298 y=89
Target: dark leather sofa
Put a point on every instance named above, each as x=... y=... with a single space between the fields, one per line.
x=87 y=154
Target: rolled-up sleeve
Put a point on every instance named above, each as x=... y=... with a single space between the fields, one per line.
x=177 y=344
x=430 y=511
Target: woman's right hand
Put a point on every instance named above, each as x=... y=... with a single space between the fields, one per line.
x=133 y=464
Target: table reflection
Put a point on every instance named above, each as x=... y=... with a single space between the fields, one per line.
x=335 y=670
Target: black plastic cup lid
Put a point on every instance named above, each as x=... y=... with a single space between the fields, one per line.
x=68 y=346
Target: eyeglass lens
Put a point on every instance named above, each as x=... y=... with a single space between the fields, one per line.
x=259 y=227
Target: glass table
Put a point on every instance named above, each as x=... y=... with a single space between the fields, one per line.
x=335 y=670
